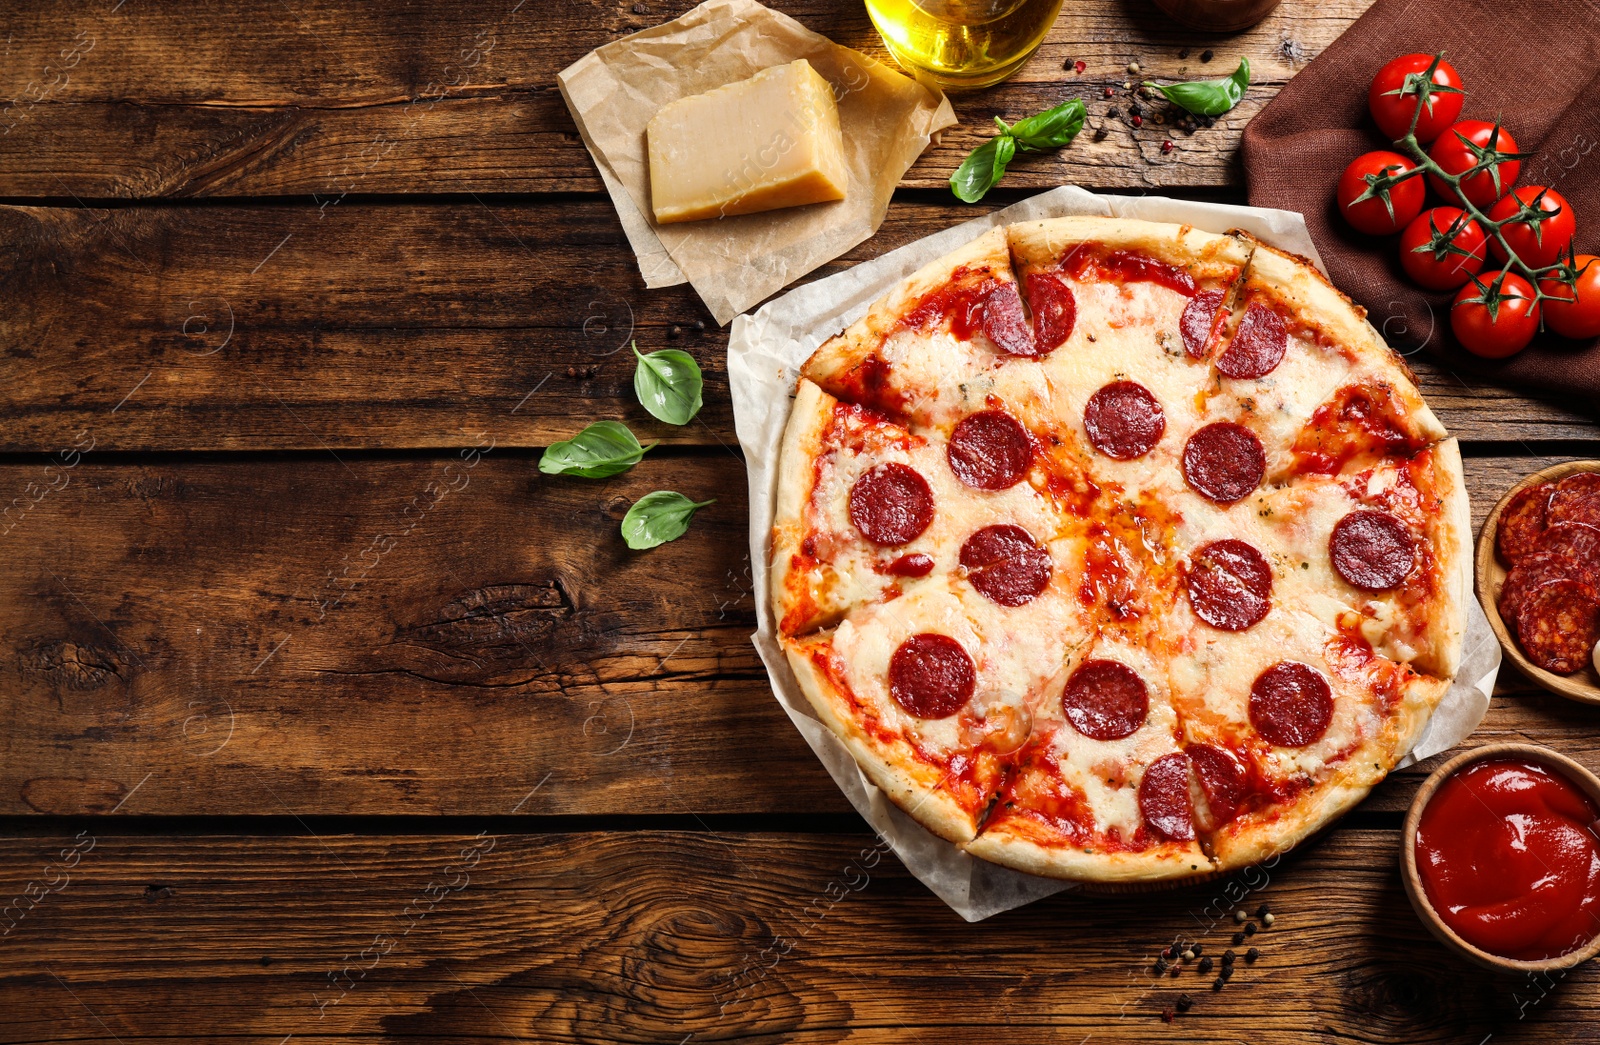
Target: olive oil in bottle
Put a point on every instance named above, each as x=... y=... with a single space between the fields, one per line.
x=963 y=43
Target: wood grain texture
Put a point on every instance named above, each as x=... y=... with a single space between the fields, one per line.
x=261 y=98
x=659 y=936
x=377 y=634
x=361 y=325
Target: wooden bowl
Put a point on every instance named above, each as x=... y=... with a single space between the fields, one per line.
x=1491 y=574
x=1557 y=763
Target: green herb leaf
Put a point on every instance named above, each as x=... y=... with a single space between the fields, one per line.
x=1052 y=128
x=604 y=448
x=983 y=166
x=1208 y=97
x=668 y=383
x=657 y=518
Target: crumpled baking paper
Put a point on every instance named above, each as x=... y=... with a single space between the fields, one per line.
x=613 y=91
x=765 y=351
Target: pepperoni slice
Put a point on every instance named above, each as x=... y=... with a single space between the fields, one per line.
x=1577 y=499
x=1230 y=585
x=1257 y=346
x=1224 y=462
x=1578 y=543
x=1291 y=704
x=931 y=675
x=891 y=504
x=1557 y=626
x=1372 y=550
x=1055 y=311
x=1222 y=778
x=1522 y=520
x=914 y=565
x=1005 y=323
x=1005 y=564
x=990 y=450
x=1105 y=700
x=1199 y=322
x=1124 y=420
x=1164 y=797
x=1533 y=570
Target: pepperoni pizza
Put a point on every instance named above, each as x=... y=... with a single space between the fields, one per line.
x=1116 y=550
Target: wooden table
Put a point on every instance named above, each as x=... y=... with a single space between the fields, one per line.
x=327 y=717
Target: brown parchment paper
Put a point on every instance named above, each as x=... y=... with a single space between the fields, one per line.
x=887 y=120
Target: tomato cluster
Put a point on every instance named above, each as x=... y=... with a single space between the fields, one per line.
x=1472 y=167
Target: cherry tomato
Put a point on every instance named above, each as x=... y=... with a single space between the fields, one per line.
x=1393 y=97
x=1371 y=201
x=1579 y=317
x=1539 y=241
x=1460 y=148
x=1497 y=319
x=1442 y=269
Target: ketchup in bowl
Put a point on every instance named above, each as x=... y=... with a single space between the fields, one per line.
x=1508 y=856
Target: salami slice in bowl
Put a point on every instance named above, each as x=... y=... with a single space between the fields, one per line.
x=1558 y=625
x=1522 y=520
x=1576 y=499
x=1530 y=572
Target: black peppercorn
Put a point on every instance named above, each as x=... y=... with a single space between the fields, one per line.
x=1159 y=968
x=1185 y=1003
x=1238 y=938
x=1216 y=984
x=1227 y=972
x=675 y=331
x=1197 y=949
x=1136 y=109
x=1250 y=930
x=1228 y=957
x=1252 y=954
x=1183 y=53
x=1205 y=965
x=1207 y=55
x=699 y=326
x=1113 y=112
x=1174 y=972
x=1262 y=911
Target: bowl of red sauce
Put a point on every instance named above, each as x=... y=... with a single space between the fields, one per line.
x=1501 y=858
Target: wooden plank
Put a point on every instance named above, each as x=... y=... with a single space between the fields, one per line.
x=662 y=936
x=440 y=634
x=398 y=326
x=257 y=98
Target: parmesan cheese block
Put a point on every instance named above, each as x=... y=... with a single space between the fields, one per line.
x=760 y=144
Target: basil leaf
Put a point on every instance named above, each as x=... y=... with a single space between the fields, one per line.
x=604 y=448
x=1208 y=97
x=657 y=518
x=1052 y=128
x=668 y=383
x=983 y=166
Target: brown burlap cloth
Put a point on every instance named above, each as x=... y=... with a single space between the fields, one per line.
x=1534 y=64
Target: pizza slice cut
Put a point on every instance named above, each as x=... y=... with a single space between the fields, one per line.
x=1102 y=789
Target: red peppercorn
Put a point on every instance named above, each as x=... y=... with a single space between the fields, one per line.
x=1166 y=146
x=1138 y=121
x=1080 y=66
x=1108 y=92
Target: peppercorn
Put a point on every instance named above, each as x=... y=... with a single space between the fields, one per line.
x=1066 y=63
x=1184 y=53
x=1136 y=109
x=1205 y=965
x=1113 y=112
x=1159 y=968
x=1099 y=134
x=1228 y=957
x=1167 y=1015
x=1206 y=55
x=1216 y=984
x=1079 y=67
x=1267 y=919
x=1188 y=956
x=1185 y=1003
x=675 y=331
x=1262 y=911
x=1174 y=972
x=1252 y=954
x=1133 y=67
x=1197 y=949
x=1250 y=930
x=699 y=326
x=1238 y=938
x=1138 y=121
x=1166 y=146
x=1109 y=92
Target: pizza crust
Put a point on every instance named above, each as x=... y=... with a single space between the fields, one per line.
x=1044 y=244
x=802 y=441
x=1162 y=863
